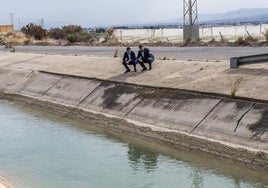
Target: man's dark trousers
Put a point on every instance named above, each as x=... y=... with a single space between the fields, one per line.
x=133 y=62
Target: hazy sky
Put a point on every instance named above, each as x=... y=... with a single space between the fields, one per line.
x=111 y=12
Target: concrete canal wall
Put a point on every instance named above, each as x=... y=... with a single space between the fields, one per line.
x=231 y=128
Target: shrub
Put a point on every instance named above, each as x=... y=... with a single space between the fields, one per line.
x=71 y=29
x=72 y=38
x=74 y=33
x=36 y=31
x=83 y=37
x=251 y=39
x=266 y=34
x=241 y=41
x=188 y=39
x=110 y=32
x=56 y=33
x=213 y=40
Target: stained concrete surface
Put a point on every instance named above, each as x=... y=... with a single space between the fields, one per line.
x=70 y=91
x=237 y=121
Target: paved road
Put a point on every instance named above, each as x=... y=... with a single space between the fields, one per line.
x=211 y=53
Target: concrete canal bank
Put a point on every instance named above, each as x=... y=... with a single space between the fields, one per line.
x=234 y=129
x=4 y=184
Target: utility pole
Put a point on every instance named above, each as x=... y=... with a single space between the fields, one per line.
x=11 y=18
x=42 y=22
x=19 y=23
x=190 y=20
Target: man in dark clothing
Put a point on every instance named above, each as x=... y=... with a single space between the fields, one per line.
x=129 y=59
x=145 y=56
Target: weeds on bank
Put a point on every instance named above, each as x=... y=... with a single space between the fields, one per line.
x=247 y=40
x=237 y=82
x=266 y=34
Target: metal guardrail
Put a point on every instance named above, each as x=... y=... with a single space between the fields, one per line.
x=235 y=62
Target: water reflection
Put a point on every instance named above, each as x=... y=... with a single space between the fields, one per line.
x=139 y=157
x=197 y=177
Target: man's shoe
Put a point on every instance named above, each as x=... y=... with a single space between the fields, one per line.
x=144 y=69
x=127 y=71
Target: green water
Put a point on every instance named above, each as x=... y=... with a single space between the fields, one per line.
x=40 y=150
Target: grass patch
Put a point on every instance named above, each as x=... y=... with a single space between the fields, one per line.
x=237 y=82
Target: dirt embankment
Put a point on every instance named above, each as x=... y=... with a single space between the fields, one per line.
x=18 y=38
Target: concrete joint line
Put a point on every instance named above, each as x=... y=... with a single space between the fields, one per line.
x=206 y=116
x=52 y=86
x=243 y=115
x=87 y=96
x=77 y=105
x=122 y=119
x=134 y=106
x=21 y=80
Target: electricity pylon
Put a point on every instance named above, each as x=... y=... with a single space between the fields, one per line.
x=190 y=20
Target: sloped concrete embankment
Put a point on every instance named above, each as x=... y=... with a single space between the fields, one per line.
x=229 y=128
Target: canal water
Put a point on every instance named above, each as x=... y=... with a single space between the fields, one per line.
x=41 y=150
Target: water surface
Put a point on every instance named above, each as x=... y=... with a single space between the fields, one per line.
x=41 y=150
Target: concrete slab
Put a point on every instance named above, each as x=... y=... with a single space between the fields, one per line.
x=223 y=121
x=10 y=77
x=37 y=84
x=254 y=126
x=114 y=99
x=173 y=110
x=71 y=90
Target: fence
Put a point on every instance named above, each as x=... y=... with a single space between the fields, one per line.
x=206 y=33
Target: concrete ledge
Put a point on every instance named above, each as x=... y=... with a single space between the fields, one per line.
x=4 y=184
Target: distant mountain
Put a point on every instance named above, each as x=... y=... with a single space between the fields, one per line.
x=238 y=16
x=242 y=15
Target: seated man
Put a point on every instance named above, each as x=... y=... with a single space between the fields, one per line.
x=145 y=56
x=129 y=59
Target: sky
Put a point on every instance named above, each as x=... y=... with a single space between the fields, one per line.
x=93 y=13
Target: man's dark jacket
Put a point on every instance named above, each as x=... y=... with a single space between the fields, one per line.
x=146 y=54
x=133 y=56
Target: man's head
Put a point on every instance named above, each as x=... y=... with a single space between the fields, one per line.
x=128 y=50
x=141 y=47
